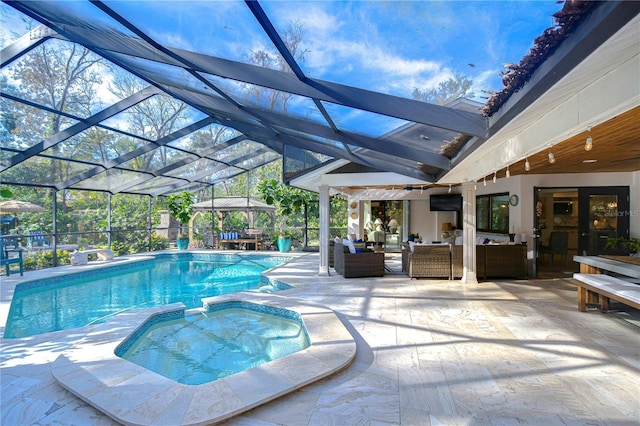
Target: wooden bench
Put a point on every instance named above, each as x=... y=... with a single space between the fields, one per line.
x=82 y=257
x=597 y=289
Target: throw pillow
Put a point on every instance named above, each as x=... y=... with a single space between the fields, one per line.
x=349 y=243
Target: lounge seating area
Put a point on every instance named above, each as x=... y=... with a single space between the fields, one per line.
x=357 y=264
x=446 y=261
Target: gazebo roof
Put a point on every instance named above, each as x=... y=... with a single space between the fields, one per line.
x=233 y=204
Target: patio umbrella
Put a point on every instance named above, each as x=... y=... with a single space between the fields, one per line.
x=15 y=206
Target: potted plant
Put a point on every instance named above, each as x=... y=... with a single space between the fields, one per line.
x=180 y=206
x=631 y=245
x=288 y=201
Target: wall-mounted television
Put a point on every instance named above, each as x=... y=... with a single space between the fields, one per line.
x=445 y=202
x=562 y=207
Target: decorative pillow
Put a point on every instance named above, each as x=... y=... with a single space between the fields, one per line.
x=459 y=240
x=349 y=243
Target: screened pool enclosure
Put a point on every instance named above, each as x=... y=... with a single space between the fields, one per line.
x=109 y=106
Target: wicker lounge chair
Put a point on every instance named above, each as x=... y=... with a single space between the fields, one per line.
x=356 y=265
x=457 y=267
x=430 y=261
x=406 y=250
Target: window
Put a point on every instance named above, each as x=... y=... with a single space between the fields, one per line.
x=492 y=213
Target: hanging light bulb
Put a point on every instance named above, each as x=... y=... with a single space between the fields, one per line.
x=484 y=181
x=449 y=188
x=552 y=159
x=527 y=166
x=588 y=144
x=495 y=177
x=508 y=173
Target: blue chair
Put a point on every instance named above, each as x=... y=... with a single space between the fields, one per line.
x=7 y=260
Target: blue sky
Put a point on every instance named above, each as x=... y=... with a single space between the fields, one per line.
x=387 y=46
x=397 y=46
x=392 y=47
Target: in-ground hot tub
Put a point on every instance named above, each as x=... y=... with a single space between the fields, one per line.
x=207 y=345
x=131 y=394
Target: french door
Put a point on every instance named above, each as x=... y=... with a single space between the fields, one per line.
x=590 y=215
x=603 y=213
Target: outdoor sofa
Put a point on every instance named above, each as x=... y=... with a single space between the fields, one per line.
x=364 y=263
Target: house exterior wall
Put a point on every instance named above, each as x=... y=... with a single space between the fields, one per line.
x=521 y=217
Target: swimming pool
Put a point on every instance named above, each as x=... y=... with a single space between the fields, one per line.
x=224 y=339
x=90 y=297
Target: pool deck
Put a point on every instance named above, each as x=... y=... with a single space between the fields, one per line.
x=428 y=352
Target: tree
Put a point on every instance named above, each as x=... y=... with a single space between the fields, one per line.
x=152 y=119
x=455 y=87
x=60 y=75
x=270 y=99
x=287 y=200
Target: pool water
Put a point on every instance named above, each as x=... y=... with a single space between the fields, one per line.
x=77 y=300
x=204 y=347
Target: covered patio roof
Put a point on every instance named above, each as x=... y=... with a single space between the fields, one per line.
x=237 y=114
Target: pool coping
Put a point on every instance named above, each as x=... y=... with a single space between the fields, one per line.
x=133 y=395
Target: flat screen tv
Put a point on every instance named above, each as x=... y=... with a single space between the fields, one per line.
x=445 y=202
x=562 y=207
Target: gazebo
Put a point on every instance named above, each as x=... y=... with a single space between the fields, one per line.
x=221 y=206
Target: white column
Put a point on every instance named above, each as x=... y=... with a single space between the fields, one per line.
x=469 y=275
x=324 y=230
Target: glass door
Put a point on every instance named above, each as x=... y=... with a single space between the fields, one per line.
x=603 y=214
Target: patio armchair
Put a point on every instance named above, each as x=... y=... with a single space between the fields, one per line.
x=355 y=265
x=332 y=246
x=457 y=266
x=7 y=259
x=430 y=261
x=406 y=250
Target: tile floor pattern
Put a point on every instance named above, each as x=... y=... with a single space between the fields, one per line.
x=430 y=352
